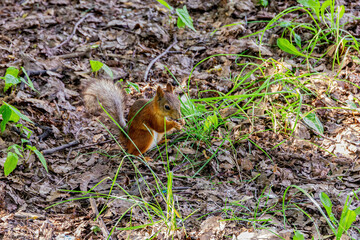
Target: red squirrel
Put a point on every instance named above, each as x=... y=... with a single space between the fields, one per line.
x=146 y=118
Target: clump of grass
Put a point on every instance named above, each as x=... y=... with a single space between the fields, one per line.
x=328 y=36
x=339 y=227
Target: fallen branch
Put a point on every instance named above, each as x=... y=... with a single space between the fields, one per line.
x=52 y=150
x=158 y=57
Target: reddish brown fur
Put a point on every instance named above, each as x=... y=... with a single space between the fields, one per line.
x=151 y=117
x=144 y=117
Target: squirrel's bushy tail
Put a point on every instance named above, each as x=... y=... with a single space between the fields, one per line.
x=110 y=96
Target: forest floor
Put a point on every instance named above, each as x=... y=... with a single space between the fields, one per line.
x=233 y=180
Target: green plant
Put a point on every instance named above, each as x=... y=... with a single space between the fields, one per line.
x=15 y=151
x=11 y=114
x=348 y=216
x=12 y=78
x=325 y=29
x=96 y=66
x=298 y=236
x=129 y=86
x=183 y=19
x=264 y=3
x=338 y=227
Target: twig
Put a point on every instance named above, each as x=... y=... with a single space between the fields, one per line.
x=52 y=150
x=73 y=32
x=158 y=57
x=72 y=55
x=39 y=72
x=99 y=219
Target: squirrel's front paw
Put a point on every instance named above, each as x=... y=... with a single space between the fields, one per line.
x=182 y=122
x=178 y=126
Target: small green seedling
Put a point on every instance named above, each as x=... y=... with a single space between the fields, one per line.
x=264 y=3
x=298 y=236
x=11 y=114
x=96 y=66
x=183 y=19
x=314 y=122
x=129 y=86
x=12 y=78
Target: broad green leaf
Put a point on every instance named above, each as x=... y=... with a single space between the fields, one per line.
x=165 y=4
x=298 y=235
x=6 y=113
x=12 y=71
x=210 y=122
x=286 y=46
x=357 y=211
x=10 y=80
x=340 y=11
x=134 y=85
x=313 y=122
x=180 y=23
x=17 y=112
x=313 y=4
x=95 y=65
x=264 y=3
x=10 y=163
x=7 y=116
x=108 y=70
x=325 y=200
x=17 y=149
x=185 y=17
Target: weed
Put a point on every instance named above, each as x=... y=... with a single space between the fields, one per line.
x=11 y=114
x=183 y=17
x=96 y=66
x=338 y=227
x=325 y=29
x=12 y=78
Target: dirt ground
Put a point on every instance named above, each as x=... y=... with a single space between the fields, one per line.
x=54 y=41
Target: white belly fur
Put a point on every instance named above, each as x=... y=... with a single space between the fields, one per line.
x=155 y=138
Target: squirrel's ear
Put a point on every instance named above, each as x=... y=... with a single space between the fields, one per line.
x=159 y=92
x=169 y=88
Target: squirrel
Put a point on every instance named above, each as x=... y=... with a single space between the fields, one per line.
x=146 y=118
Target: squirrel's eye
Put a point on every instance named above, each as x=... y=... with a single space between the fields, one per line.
x=167 y=107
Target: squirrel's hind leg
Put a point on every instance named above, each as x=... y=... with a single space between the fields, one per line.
x=143 y=141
